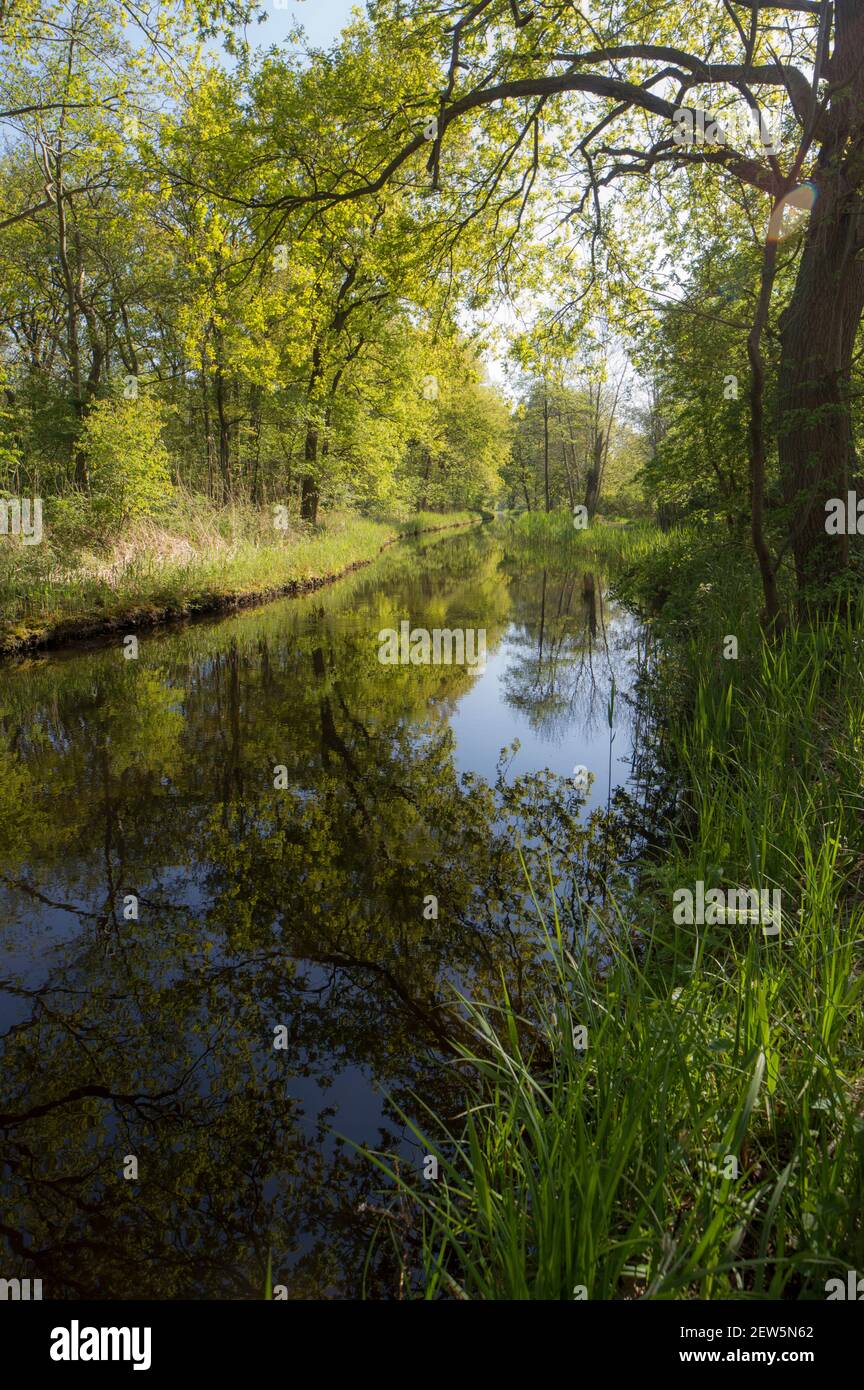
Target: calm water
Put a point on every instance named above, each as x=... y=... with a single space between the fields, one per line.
x=148 y=787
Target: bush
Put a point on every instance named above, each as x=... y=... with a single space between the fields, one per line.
x=126 y=459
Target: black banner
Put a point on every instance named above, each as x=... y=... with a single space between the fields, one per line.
x=80 y=1339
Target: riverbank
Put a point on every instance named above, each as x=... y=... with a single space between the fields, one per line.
x=679 y=1114
x=54 y=594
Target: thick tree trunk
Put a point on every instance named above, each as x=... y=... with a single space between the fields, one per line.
x=818 y=326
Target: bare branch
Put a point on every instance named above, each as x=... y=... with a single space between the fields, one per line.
x=770 y=74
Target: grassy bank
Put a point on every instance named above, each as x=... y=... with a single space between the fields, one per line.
x=201 y=560
x=707 y=1141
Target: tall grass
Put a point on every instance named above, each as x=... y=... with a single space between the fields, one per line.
x=553 y=536
x=194 y=559
x=709 y=1140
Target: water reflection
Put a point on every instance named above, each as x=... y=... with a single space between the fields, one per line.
x=165 y=909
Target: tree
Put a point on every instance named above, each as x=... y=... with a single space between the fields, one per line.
x=566 y=418
x=494 y=60
x=290 y=355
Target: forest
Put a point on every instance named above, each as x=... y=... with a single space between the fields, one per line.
x=197 y=358
x=560 y=306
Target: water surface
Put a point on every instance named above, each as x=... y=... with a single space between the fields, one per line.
x=147 y=787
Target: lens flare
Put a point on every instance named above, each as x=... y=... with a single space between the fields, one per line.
x=802 y=201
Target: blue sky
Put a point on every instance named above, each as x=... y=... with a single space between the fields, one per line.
x=322 y=20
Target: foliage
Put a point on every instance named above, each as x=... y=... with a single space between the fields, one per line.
x=200 y=558
x=127 y=462
x=608 y=1167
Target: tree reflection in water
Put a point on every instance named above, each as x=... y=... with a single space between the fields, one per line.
x=153 y=1036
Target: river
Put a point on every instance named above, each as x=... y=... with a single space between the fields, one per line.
x=242 y=874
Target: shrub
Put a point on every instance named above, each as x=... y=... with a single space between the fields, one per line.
x=126 y=459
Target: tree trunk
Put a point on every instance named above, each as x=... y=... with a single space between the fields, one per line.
x=208 y=436
x=424 y=495
x=309 y=486
x=817 y=458
x=546 y=443
x=256 y=407
x=73 y=346
x=592 y=485
x=568 y=476
x=818 y=326
x=224 y=436
x=767 y=567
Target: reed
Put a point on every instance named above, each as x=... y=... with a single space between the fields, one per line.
x=707 y=1142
